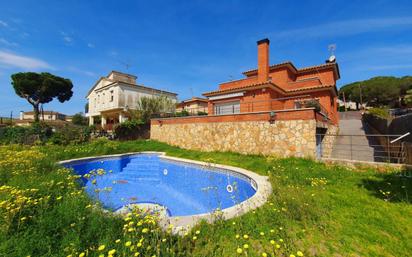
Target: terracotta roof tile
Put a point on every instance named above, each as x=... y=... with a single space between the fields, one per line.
x=217 y=92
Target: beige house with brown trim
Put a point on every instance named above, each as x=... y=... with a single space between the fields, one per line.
x=194 y=105
x=111 y=98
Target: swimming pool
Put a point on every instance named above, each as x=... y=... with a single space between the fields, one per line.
x=183 y=187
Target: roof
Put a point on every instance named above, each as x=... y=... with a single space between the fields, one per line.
x=247 y=87
x=195 y=99
x=139 y=86
x=122 y=73
x=123 y=82
x=269 y=84
x=44 y=112
x=301 y=70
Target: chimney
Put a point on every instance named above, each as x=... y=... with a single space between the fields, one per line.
x=263 y=60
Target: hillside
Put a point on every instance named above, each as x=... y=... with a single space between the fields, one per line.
x=377 y=91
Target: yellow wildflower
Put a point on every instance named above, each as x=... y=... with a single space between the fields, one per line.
x=299 y=253
x=239 y=250
x=128 y=243
x=101 y=248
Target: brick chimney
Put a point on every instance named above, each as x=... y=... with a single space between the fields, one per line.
x=263 y=60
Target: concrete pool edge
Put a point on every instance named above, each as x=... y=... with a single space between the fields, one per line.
x=180 y=224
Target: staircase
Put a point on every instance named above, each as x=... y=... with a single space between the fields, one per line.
x=142 y=170
x=353 y=142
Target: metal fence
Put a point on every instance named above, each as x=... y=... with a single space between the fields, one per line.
x=370 y=147
x=238 y=107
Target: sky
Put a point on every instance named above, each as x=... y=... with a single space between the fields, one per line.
x=189 y=47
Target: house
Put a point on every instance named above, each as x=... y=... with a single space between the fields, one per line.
x=275 y=109
x=44 y=116
x=276 y=87
x=194 y=105
x=111 y=98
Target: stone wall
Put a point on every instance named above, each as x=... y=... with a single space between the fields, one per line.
x=328 y=140
x=279 y=138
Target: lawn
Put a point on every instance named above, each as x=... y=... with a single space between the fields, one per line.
x=315 y=210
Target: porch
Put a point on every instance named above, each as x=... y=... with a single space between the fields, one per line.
x=107 y=120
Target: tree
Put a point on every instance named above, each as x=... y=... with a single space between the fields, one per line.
x=148 y=107
x=41 y=88
x=377 y=91
x=79 y=119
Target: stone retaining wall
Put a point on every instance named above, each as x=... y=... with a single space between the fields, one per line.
x=279 y=138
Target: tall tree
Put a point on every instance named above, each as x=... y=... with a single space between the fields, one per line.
x=377 y=91
x=41 y=88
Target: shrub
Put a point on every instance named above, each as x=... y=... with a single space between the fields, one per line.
x=313 y=104
x=183 y=113
x=38 y=132
x=201 y=113
x=131 y=129
x=70 y=134
x=379 y=112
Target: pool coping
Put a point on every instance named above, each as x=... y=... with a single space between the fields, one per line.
x=181 y=224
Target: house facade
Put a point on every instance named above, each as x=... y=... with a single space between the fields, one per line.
x=278 y=87
x=274 y=110
x=194 y=105
x=111 y=98
x=45 y=115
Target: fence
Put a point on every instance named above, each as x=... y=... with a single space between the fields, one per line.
x=237 y=107
x=374 y=148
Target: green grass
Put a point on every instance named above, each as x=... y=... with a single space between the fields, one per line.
x=318 y=209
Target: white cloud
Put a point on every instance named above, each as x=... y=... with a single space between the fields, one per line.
x=7 y=43
x=83 y=72
x=90 y=45
x=66 y=38
x=3 y=24
x=345 y=28
x=20 y=61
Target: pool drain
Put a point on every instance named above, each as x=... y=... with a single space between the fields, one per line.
x=229 y=188
x=165 y=172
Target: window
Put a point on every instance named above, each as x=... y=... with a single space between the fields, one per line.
x=111 y=96
x=227 y=108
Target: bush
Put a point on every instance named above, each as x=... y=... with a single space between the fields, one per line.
x=70 y=135
x=131 y=129
x=183 y=113
x=38 y=132
x=313 y=104
x=379 y=112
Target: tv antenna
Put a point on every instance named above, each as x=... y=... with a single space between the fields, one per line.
x=126 y=64
x=331 y=49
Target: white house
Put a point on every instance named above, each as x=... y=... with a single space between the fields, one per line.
x=113 y=96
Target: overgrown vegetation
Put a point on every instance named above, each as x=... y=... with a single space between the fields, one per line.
x=380 y=112
x=41 y=133
x=315 y=210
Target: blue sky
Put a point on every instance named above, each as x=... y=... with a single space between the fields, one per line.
x=188 y=47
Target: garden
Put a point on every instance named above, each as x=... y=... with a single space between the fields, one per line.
x=315 y=209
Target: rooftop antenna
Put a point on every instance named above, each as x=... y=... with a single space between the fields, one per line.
x=331 y=49
x=126 y=64
x=191 y=92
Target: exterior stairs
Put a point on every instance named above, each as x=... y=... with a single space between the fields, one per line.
x=354 y=143
x=138 y=170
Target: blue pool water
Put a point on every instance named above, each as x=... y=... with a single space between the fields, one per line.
x=184 y=189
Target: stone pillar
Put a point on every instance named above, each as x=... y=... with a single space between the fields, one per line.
x=121 y=118
x=91 y=120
